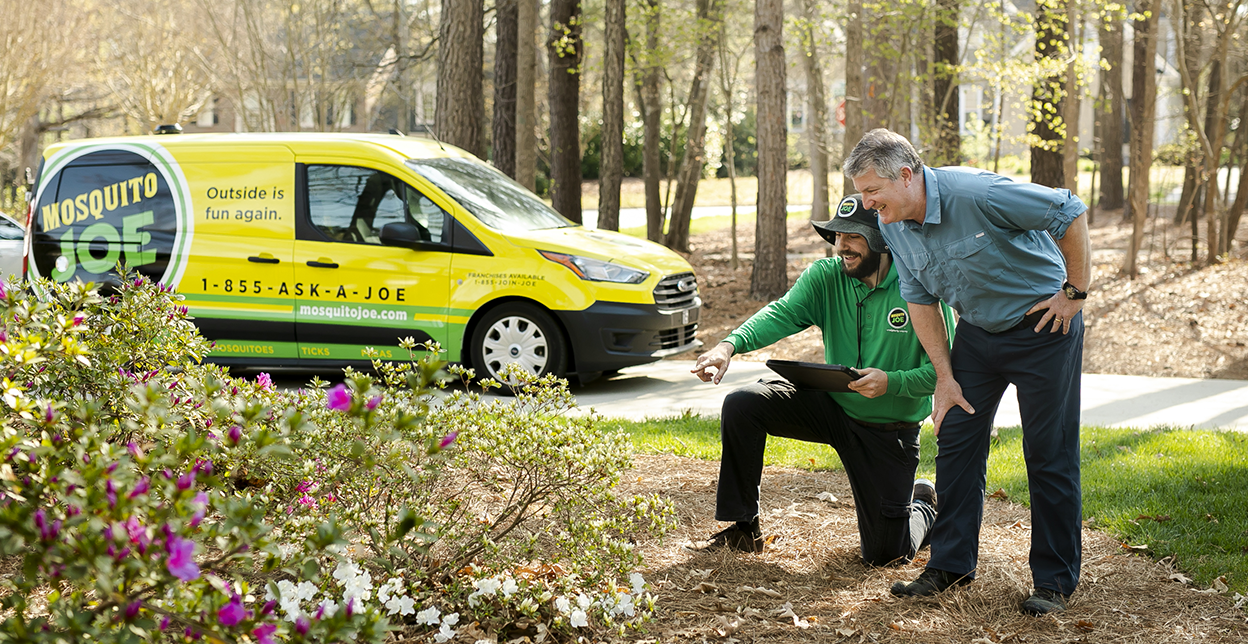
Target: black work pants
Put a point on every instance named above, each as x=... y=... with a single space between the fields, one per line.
x=1045 y=368
x=880 y=464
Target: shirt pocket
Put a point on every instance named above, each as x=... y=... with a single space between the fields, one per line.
x=976 y=259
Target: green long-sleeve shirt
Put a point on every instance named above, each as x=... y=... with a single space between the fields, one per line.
x=876 y=334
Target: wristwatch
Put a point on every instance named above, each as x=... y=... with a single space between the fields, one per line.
x=1073 y=293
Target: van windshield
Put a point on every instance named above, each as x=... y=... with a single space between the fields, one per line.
x=491 y=196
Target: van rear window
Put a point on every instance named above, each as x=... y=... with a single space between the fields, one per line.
x=491 y=196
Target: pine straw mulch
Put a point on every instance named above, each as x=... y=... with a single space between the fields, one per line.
x=1169 y=321
x=812 y=568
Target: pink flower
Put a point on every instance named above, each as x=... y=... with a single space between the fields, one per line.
x=338 y=398
x=132 y=610
x=265 y=381
x=307 y=501
x=232 y=613
x=235 y=435
x=137 y=533
x=264 y=633
x=186 y=480
x=448 y=439
x=181 y=562
x=47 y=414
x=142 y=487
x=372 y=403
x=78 y=319
x=305 y=486
x=200 y=500
x=301 y=625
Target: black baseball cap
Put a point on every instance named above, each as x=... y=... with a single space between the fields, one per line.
x=851 y=216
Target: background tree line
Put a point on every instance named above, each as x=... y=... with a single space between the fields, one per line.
x=554 y=92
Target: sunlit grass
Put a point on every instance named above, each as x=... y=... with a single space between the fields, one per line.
x=1195 y=482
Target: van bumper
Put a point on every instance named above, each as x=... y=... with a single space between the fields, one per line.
x=612 y=335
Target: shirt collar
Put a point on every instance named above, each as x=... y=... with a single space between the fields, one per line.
x=932 y=214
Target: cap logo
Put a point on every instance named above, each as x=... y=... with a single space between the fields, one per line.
x=897 y=318
x=847 y=207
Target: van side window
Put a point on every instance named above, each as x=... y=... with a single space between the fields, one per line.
x=351 y=204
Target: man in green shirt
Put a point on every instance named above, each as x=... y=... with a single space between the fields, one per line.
x=854 y=299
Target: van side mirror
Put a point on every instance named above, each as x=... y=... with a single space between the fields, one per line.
x=405 y=235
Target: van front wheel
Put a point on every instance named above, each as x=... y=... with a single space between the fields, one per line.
x=518 y=334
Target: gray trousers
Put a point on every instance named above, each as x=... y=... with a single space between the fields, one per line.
x=880 y=464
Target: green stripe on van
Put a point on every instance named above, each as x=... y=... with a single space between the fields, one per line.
x=251 y=348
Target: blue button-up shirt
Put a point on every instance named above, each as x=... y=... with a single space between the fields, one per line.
x=986 y=246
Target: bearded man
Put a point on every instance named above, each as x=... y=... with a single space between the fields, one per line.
x=854 y=300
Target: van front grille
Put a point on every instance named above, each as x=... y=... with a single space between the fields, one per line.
x=679 y=291
x=675 y=338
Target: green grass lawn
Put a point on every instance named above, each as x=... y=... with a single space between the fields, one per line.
x=1183 y=493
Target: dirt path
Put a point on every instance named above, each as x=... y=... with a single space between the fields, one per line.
x=812 y=565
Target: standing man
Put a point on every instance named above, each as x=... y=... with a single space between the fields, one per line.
x=874 y=428
x=1013 y=260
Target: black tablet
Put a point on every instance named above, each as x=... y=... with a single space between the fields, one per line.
x=814 y=375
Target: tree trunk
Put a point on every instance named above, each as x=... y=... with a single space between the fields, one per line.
x=1071 y=99
x=1047 y=167
x=505 y=63
x=1111 y=124
x=770 y=279
x=461 y=54
x=611 y=168
x=853 y=87
x=677 y=237
x=1143 y=107
x=730 y=153
x=565 y=91
x=526 y=94
x=652 y=107
x=947 y=102
x=818 y=123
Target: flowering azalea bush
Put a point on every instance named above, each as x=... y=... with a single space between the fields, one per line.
x=120 y=521
x=148 y=496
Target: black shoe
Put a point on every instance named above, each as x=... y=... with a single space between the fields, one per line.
x=930 y=582
x=1045 y=601
x=742 y=537
x=925 y=491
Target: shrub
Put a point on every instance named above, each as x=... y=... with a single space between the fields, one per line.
x=149 y=496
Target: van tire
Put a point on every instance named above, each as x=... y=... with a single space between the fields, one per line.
x=518 y=332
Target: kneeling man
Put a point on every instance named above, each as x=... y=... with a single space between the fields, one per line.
x=854 y=300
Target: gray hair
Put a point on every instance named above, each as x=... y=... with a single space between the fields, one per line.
x=885 y=152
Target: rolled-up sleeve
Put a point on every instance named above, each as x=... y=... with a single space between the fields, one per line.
x=1030 y=206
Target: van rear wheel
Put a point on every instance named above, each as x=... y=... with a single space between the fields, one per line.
x=518 y=334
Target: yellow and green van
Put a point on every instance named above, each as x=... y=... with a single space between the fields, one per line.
x=307 y=250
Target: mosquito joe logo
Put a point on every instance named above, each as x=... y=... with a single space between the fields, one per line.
x=897 y=318
x=847 y=207
x=99 y=206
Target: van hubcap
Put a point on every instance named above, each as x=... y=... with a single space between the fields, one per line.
x=515 y=340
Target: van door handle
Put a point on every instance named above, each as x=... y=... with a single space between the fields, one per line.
x=262 y=259
x=316 y=264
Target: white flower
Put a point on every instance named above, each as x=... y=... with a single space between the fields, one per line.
x=305 y=591
x=510 y=587
x=624 y=605
x=583 y=601
x=330 y=608
x=444 y=634
x=485 y=587
x=401 y=604
x=393 y=587
x=579 y=619
x=563 y=605
x=638 y=582
x=430 y=616
x=450 y=620
x=346 y=570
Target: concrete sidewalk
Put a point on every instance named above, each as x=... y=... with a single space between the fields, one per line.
x=667 y=388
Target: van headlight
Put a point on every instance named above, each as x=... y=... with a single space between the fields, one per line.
x=596 y=270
